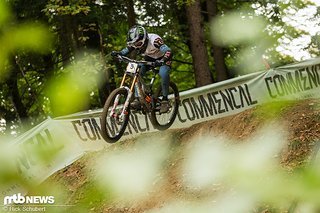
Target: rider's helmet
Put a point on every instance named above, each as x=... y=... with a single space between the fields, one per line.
x=137 y=37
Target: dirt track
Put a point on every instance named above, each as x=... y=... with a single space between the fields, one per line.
x=300 y=119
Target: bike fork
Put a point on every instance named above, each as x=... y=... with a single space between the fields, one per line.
x=124 y=111
x=125 y=106
x=126 y=103
x=115 y=104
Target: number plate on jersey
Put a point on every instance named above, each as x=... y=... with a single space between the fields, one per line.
x=132 y=67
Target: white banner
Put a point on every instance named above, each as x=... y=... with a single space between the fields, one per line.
x=76 y=134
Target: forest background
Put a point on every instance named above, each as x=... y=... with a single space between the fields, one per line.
x=55 y=60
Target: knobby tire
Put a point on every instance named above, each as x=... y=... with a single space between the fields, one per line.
x=175 y=104
x=105 y=118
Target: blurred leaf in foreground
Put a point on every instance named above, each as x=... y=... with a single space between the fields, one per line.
x=4 y=13
x=245 y=31
x=24 y=37
x=70 y=91
x=132 y=174
x=249 y=173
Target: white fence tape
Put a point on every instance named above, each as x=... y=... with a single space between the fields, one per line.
x=76 y=134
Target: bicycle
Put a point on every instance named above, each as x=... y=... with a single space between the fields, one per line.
x=117 y=108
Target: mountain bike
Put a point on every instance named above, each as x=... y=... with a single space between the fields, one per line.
x=117 y=108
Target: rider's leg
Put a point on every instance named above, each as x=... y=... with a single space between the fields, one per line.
x=165 y=79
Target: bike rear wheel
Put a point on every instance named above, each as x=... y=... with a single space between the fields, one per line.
x=163 y=121
x=112 y=125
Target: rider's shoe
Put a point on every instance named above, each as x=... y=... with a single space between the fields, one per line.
x=164 y=107
x=135 y=104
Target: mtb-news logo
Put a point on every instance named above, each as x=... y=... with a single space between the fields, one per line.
x=27 y=203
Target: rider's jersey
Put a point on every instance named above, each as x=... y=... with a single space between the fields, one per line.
x=156 y=49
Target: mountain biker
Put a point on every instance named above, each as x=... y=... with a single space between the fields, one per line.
x=152 y=47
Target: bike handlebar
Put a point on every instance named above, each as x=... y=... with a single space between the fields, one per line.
x=128 y=60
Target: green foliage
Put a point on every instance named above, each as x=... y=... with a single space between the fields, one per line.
x=70 y=92
x=28 y=36
x=25 y=37
x=185 y=2
x=17 y=38
x=4 y=13
x=58 y=7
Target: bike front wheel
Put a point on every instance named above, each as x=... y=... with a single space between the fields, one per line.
x=163 y=121
x=113 y=124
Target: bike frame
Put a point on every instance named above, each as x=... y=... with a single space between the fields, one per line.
x=137 y=80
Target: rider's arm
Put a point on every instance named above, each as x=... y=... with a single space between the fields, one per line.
x=125 y=51
x=158 y=43
x=167 y=52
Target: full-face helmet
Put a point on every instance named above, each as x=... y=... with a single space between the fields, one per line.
x=137 y=37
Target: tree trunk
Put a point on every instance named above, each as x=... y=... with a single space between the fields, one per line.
x=217 y=52
x=77 y=45
x=12 y=84
x=198 y=48
x=5 y=113
x=131 y=21
x=65 y=40
x=130 y=13
x=108 y=84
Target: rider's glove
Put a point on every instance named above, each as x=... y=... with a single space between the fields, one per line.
x=158 y=63
x=115 y=53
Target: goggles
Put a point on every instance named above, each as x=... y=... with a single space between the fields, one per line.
x=137 y=44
